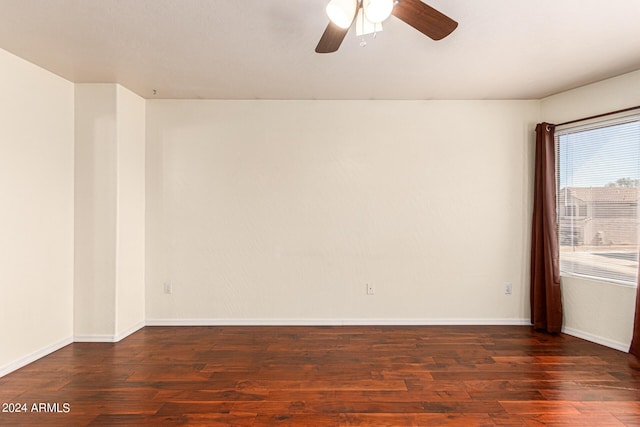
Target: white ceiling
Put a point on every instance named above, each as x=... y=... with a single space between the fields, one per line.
x=264 y=49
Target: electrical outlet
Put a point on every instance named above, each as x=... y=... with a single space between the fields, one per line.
x=370 y=289
x=508 y=288
x=168 y=289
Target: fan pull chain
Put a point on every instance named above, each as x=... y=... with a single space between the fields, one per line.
x=363 y=42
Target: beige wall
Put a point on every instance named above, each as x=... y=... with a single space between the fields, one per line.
x=36 y=219
x=95 y=215
x=110 y=200
x=597 y=98
x=130 y=213
x=282 y=211
x=598 y=311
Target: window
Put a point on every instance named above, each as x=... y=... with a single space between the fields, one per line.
x=598 y=188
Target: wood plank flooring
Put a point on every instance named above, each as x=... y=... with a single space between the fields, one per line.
x=329 y=376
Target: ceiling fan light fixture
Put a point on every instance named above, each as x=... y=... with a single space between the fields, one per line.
x=424 y=18
x=377 y=11
x=341 y=12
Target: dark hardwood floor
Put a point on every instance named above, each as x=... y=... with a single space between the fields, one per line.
x=328 y=376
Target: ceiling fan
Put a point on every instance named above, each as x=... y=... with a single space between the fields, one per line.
x=369 y=14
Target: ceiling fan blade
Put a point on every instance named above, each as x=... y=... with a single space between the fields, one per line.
x=424 y=18
x=331 y=38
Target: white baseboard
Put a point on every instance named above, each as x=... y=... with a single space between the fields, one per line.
x=333 y=322
x=109 y=337
x=30 y=358
x=94 y=338
x=131 y=330
x=617 y=345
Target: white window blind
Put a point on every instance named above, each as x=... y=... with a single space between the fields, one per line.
x=598 y=187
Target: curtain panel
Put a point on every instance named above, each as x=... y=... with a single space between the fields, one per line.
x=634 y=350
x=545 y=298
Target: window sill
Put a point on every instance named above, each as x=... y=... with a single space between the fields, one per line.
x=599 y=280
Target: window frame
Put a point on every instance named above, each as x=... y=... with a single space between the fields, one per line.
x=561 y=210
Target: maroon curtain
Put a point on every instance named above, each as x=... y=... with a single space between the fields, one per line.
x=634 y=350
x=546 y=302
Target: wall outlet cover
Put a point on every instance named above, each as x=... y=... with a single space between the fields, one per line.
x=508 y=288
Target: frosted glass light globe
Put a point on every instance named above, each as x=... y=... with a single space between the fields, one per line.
x=341 y=12
x=377 y=10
